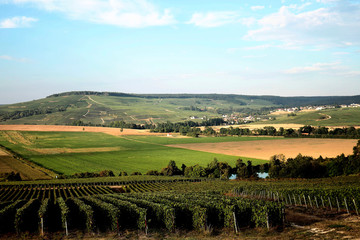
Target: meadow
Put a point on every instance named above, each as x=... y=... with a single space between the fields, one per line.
x=328 y=117
x=73 y=152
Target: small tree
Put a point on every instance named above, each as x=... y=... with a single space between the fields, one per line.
x=123 y=173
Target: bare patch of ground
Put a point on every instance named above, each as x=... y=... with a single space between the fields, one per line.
x=322 y=223
x=264 y=149
x=58 y=128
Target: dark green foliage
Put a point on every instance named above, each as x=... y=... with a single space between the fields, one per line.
x=64 y=210
x=129 y=214
x=171 y=169
x=7 y=216
x=26 y=217
x=106 y=214
x=152 y=172
x=123 y=173
x=195 y=171
x=12 y=176
x=81 y=215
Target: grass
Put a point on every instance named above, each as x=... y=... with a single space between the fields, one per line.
x=181 y=140
x=339 y=117
x=133 y=154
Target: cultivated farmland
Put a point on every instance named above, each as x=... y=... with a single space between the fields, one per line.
x=262 y=149
x=72 y=152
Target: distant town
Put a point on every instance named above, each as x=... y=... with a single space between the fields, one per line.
x=236 y=118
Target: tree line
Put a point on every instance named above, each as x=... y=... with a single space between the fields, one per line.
x=31 y=112
x=309 y=167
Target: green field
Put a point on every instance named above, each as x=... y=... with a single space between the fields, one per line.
x=338 y=117
x=73 y=152
x=178 y=139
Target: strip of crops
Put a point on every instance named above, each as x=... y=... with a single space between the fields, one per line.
x=340 y=198
x=13 y=193
x=118 y=212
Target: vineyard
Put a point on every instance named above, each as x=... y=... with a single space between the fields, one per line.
x=116 y=212
x=150 y=206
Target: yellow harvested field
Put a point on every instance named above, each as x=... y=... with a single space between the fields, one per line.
x=58 y=128
x=264 y=149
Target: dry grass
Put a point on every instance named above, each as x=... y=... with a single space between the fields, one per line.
x=3 y=153
x=264 y=149
x=58 y=128
x=9 y=164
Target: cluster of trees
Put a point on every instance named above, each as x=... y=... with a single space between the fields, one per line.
x=11 y=176
x=186 y=127
x=214 y=169
x=104 y=173
x=305 y=131
x=308 y=167
x=194 y=108
x=30 y=112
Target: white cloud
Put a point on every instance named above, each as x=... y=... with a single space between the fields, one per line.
x=327 y=1
x=248 y=21
x=10 y=58
x=259 y=47
x=341 y=53
x=325 y=27
x=123 y=13
x=213 y=19
x=299 y=7
x=17 y=22
x=316 y=67
x=254 y=8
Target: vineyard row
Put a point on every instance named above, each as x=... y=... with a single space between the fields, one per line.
x=117 y=212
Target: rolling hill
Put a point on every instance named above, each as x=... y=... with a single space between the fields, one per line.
x=105 y=107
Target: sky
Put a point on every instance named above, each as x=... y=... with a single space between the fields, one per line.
x=254 y=47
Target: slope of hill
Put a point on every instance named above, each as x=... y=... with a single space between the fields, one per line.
x=104 y=107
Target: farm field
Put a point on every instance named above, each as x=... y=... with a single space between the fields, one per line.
x=261 y=149
x=327 y=117
x=73 y=152
x=10 y=164
x=60 y=128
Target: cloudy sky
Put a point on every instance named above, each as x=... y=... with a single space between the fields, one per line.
x=284 y=47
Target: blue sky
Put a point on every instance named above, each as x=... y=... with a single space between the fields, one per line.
x=287 y=48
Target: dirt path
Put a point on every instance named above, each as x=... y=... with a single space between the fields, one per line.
x=327 y=117
x=94 y=100
x=86 y=113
